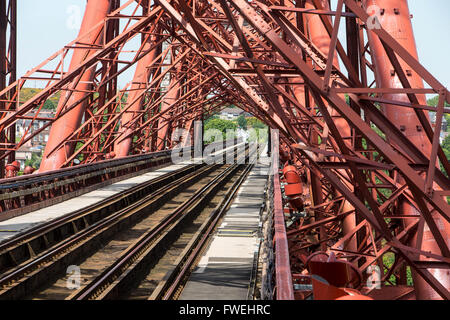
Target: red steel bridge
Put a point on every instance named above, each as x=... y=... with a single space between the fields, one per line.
x=359 y=192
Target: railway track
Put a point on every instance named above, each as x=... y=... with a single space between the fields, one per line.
x=171 y=285
x=36 y=240
x=163 y=250
x=109 y=241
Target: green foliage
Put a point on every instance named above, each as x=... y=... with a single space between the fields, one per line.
x=242 y=122
x=28 y=93
x=124 y=99
x=220 y=125
x=385 y=192
x=255 y=123
x=34 y=161
x=48 y=105
x=446 y=148
x=446 y=143
x=433 y=102
x=78 y=147
x=205 y=123
x=388 y=261
x=259 y=135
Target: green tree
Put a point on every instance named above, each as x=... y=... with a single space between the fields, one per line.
x=34 y=161
x=220 y=125
x=255 y=123
x=48 y=105
x=446 y=143
x=433 y=102
x=242 y=122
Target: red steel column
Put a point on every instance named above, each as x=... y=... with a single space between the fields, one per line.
x=164 y=123
x=96 y=11
x=141 y=76
x=3 y=69
x=187 y=136
x=397 y=22
x=319 y=36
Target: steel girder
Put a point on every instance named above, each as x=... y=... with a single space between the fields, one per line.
x=8 y=46
x=262 y=57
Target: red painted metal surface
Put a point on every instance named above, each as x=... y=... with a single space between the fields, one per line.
x=284 y=282
x=8 y=60
x=396 y=20
x=75 y=91
x=322 y=40
x=135 y=98
x=370 y=185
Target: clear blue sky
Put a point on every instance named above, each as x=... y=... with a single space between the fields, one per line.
x=43 y=28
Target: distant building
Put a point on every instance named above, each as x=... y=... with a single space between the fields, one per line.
x=433 y=121
x=40 y=139
x=442 y=136
x=230 y=113
x=25 y=153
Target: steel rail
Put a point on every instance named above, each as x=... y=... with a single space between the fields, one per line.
x=78 y=241
x=35 y=230
x=170 y=288
x=93 y=232
x=24 y=194
x=141 y=245
x=108 y=276
x=23 y=181
x=93 y=212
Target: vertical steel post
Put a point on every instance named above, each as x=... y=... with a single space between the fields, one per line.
x=396 y=20
x=8 y=47
x=140 y=80
x=122 y=147
x=12 y=66
x=96 y=11
x=3 y=69
x=169 y=99
x=319 y=36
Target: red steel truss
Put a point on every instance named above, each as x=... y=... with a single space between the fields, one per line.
x=353 y=119
x=8 y=43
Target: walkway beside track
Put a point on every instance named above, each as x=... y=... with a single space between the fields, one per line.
x=227 y=267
